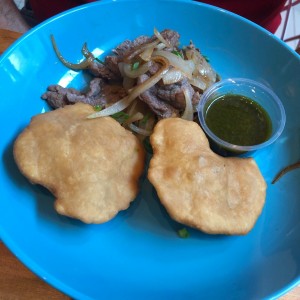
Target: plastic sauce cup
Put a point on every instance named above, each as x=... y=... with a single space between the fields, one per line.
x=246 y=88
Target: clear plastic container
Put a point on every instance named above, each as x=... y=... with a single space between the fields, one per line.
x=257 y=92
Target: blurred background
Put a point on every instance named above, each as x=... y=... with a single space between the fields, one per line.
x=288 y=31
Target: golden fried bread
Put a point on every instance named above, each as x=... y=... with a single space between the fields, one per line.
x=199 y=188
x=91 y=166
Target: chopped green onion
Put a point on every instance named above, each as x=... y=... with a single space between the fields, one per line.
x=135 y=65
x=206 y=57
x=178 y=53
x=120 y=116
x=145 y=119
x=97 y=107
x=183 y=233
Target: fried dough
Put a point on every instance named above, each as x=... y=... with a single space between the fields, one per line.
x=92 y=167
x=199 y=188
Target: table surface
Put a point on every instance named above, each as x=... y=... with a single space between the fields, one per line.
x=16 y=281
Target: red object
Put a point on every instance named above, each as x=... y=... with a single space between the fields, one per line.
x=44 y=9
x=263 y=12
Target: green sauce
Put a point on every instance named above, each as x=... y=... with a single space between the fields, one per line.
x=238 y=120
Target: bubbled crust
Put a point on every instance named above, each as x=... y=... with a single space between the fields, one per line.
x=200 y=188
x=91 y=166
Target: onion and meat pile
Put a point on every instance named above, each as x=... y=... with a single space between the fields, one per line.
x=143 y=81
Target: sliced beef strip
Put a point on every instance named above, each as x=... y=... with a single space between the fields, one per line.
x=111 y=63
x=125 y=48
x=101 y=70
x=110 y=70
x=161 y=108
x=99 y=93
x=168 y=100
x=154 y=67
x=171 y=36
x=56 y=95
x=173 y=93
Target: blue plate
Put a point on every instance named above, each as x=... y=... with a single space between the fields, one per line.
x=138 y=255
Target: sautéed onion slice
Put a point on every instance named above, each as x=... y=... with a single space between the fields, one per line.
x=135 y=92
x=188 y=112
x=80 y=66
